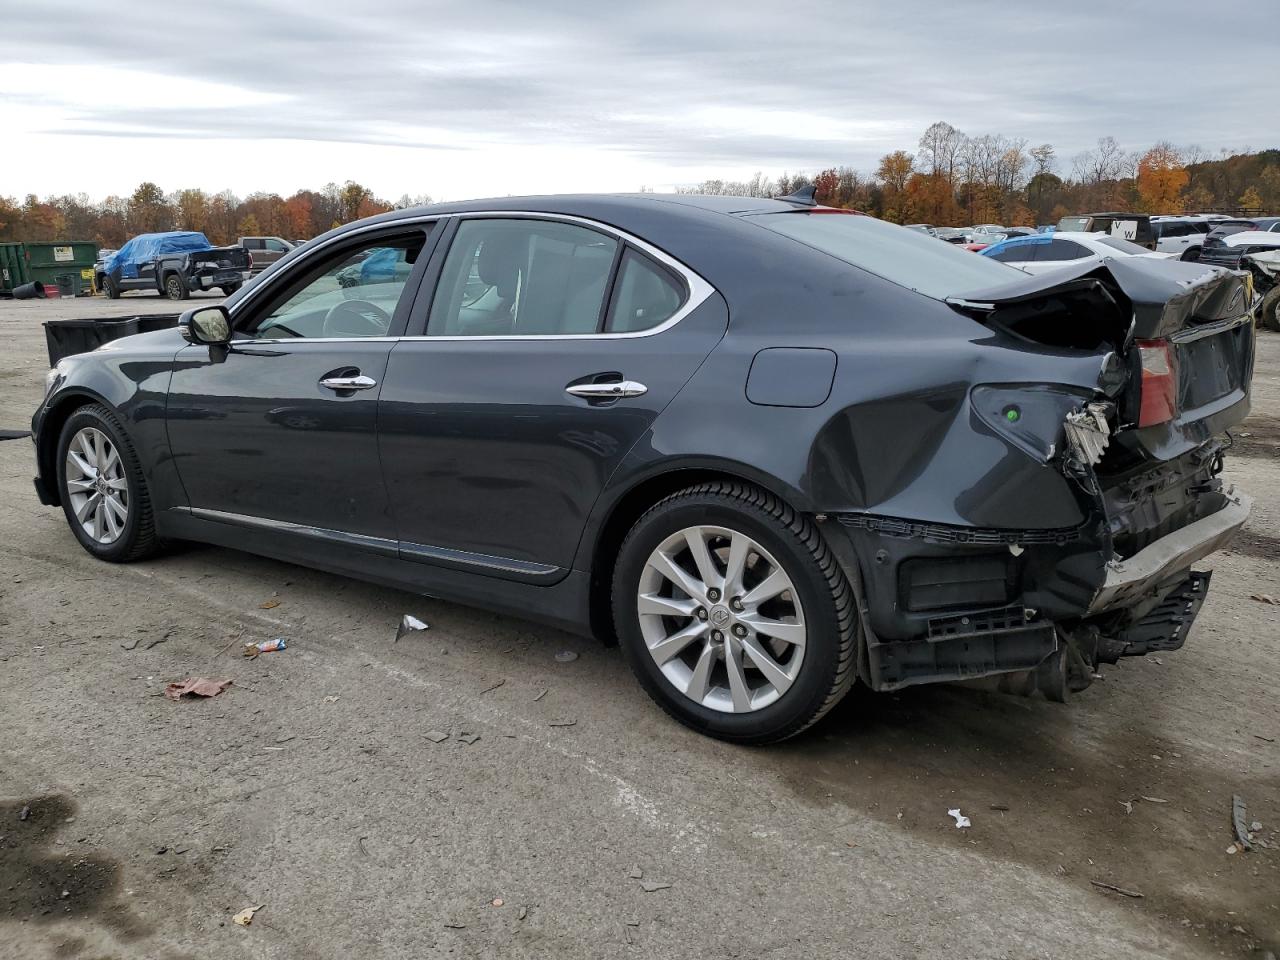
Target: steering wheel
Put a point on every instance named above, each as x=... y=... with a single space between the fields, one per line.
x=356 y=318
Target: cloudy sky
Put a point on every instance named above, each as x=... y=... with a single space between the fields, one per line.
x=485 y=98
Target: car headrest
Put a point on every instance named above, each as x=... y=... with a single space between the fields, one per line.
x=501 y=259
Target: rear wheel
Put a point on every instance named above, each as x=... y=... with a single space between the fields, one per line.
x=1191 y=254
x=110 y=288
x=733 y=613
x=103 y=492
x=1269 y=309
x=230 y=288
x=174 y=288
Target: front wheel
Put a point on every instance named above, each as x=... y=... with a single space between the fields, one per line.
x=110 y=288
x=733 y=613
x=1190 y=255
x=104 y=494
x=230 y=288
x=175 y=288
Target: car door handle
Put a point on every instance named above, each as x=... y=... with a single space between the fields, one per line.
x=359 y=382
x=607 y=391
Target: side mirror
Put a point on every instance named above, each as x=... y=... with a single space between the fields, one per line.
x=210 y=326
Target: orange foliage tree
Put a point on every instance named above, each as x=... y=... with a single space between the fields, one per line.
x=1161 y=179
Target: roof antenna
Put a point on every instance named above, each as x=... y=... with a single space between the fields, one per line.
x=802 y=196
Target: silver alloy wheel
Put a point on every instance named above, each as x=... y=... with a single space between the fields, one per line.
x=96 y=485
x=721 y=619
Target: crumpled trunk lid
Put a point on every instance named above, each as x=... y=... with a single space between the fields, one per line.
x=1119 y=304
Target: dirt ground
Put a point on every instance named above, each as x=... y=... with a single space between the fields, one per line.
x=582 y=822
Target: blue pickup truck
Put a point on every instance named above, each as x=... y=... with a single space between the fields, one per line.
x=173 y=264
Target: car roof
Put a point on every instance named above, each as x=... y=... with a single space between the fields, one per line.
x=570 y=203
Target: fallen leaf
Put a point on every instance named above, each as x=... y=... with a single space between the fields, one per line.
x=468 y=738
x=245 y=916
x=653 y=886
x=494 y=686
x=269 y=604
x=196 y=687
x=636 y=873
x=435 y=736
x=563 y=723
x=1154 y=800
x=496 y=902
x=1265 y=598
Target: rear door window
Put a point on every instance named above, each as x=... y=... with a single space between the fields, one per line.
x=522 y=277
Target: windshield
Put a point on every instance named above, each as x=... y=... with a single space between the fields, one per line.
x=910 y=259
x=1124 y=246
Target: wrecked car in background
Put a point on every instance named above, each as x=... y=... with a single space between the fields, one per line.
x=1265 y=270
x=174 y=264
x=772 y=448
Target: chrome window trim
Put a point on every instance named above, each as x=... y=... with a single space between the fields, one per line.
x=699 y=289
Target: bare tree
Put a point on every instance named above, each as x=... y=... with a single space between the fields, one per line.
x=1043 y=157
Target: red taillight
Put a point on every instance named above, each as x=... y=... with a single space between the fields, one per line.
x=1159 y=383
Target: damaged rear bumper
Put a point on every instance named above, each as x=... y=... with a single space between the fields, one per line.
x=942 y=604
x=1131 y=580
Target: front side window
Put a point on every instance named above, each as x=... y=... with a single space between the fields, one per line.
x=522 y=277
x=646 y=295
x=352 y=293
x=275 y=245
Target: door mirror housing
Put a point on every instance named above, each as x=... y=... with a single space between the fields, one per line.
x=210 y=326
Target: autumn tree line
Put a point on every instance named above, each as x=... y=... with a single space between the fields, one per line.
x=951 y=179
x=222 y=217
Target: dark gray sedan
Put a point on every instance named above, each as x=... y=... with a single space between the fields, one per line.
x=771 y=448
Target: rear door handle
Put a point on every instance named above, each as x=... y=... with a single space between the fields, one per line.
x=607 y=391
x=358 y=382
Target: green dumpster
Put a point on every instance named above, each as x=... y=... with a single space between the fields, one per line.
x=13 y=266
x=66 y=264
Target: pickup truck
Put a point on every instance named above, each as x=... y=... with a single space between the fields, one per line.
x=173 y=264
x=264 y=251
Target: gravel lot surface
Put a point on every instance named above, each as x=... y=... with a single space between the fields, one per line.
x=564 y=815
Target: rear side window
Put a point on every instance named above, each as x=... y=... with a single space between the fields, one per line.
x=1062 y=250
x=913 y=260
x=1124 y=246
x=522 y=277
x=1019 y=253
x=646 y=295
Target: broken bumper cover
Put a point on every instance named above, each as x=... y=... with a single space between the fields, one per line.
x=1170 y=557
x=941 y=604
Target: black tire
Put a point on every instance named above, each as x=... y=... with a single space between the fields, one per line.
x=1190 y=255
x=827 y=671
x=230 y=288
x=175 y=288
x=138 y=539
x=1269 y=309
x=110 y=289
